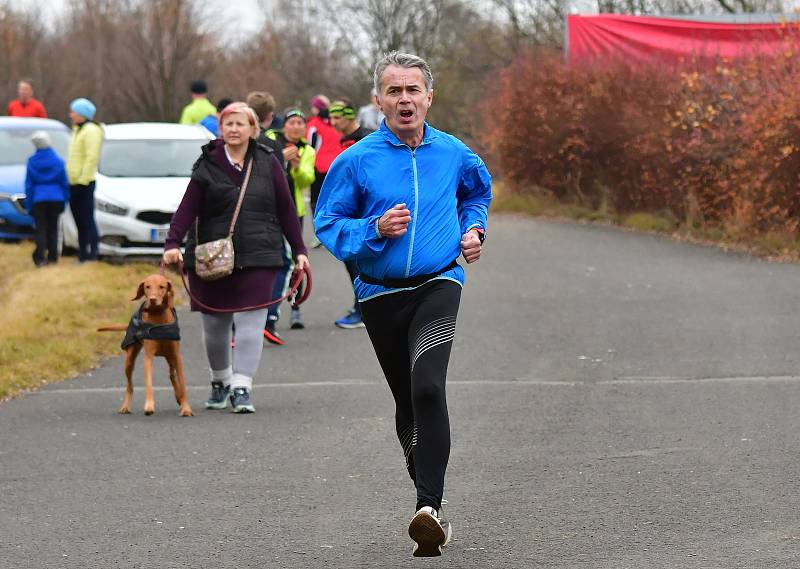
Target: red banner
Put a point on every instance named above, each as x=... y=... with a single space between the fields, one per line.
x=640 y=39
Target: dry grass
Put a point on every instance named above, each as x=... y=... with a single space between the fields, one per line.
x=649 y=222
x=48 y=316
x=541 y=203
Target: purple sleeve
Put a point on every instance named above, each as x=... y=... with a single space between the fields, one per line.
x=287 y=214
x=185 y=215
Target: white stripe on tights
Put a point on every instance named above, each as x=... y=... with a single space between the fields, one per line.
x=434 y=334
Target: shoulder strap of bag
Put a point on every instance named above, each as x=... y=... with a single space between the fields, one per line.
x=241 y=194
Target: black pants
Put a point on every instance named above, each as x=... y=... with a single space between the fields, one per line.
x=81 y=202
x=316 y=187
x=45 y=215
x=412 y=333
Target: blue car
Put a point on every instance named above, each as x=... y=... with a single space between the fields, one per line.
x=15 y=149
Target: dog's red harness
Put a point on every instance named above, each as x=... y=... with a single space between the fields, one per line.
x=297 y=280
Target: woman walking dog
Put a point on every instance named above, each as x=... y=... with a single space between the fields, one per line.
x=237 y=187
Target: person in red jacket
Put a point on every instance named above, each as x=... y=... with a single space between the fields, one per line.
x=25 y=105
x=325 y=140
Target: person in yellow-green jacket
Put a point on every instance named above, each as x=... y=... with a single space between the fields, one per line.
x=82 y=159
x=298 y=160
x=200 y=107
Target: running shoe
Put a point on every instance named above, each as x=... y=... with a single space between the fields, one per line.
x=350 y=320
x=296 y=322
x=429 y=533
x=271 y=335
x=240 y=400
x=219 y=396
x=446 y=525
x=316 y=243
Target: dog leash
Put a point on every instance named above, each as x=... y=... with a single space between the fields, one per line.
x=296 y=281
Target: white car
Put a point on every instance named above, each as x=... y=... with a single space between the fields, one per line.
x=142 y=175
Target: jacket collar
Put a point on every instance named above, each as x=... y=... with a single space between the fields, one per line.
x=428 y=135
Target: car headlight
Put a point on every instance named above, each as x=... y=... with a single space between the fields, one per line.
x=18 y=200
x=15 y=199
x=109 y=207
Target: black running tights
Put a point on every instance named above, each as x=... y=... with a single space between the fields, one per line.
x=412 y=333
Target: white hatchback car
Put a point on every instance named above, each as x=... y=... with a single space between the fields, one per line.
x=142 y=175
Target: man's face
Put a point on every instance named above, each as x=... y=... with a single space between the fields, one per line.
x=404 y=99
x=24 y=91
x=339 y=123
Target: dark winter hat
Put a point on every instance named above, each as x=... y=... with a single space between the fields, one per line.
x=223 y=103
x=320 y=102
x=198 y=87
x=293 y=112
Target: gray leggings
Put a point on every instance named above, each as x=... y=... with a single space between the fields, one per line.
x=234 y=367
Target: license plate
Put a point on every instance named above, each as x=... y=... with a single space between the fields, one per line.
x=159 y=235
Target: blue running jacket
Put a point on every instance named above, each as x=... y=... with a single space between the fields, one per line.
x=443 y=183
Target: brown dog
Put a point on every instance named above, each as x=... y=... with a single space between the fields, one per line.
x=154 y=327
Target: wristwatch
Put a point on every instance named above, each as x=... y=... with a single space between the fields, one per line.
x=481 y=234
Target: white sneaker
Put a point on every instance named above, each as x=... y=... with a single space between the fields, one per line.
x=429 y=532
x=446 y=526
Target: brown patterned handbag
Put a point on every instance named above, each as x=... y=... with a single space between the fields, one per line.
x=214 y=259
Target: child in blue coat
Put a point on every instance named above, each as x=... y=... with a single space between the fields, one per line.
x=46 y=193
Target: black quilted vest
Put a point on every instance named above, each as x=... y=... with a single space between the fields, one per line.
x=257 y=237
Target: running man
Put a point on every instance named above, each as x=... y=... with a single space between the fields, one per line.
x=404 y=203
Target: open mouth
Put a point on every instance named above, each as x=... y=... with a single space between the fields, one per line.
x=406 y=114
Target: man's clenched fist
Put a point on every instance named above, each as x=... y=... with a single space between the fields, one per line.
x=394 y=223
x=471 y=246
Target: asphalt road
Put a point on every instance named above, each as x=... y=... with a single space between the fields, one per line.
x=617 y=401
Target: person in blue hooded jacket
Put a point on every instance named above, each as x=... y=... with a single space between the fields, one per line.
x=46 y=196
x=404 y=203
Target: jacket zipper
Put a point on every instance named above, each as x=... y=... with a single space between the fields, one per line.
x=414 y=211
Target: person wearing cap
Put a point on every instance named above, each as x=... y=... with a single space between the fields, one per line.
x=200 y=107
x=46 y=193
x=405 y=203
x=25 y=105
x=299 y=158
x=82 y=159
x=343 y=119
x=325 y=140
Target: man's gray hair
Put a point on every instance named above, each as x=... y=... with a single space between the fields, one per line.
x=406 y=60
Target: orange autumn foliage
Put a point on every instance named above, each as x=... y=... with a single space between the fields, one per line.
x=716 y=144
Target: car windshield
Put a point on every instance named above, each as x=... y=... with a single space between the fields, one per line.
x=149 y=158
x=16 y=146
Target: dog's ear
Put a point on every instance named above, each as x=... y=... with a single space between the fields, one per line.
x=170 y=295
x=139 y=291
